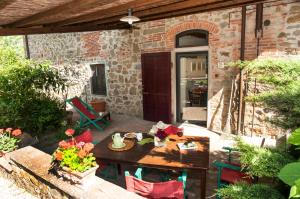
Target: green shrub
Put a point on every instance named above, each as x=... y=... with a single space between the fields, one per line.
x=26 y=89
x=246 y=191
x=262 y=162
x=282 y=77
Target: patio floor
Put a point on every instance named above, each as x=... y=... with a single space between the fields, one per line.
x=127 y=123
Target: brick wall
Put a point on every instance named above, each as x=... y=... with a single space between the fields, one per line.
x=121 y=50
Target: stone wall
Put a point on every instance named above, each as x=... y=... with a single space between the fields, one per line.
x=29 y=167
x=121 y=50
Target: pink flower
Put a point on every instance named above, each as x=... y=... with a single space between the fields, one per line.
x=80 y=145
x=70 y=132
x=88 y=147
x=8 y=130
x=63 y=144
x=16 y=132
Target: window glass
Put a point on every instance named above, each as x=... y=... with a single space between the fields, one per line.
x=192 y=38
x=98 y=79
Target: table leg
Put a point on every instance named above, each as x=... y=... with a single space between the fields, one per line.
x=203 y=184
x=119 y=169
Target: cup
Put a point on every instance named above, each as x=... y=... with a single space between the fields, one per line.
x=139 y=136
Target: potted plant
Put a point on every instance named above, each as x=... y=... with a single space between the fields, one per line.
x=74 y=161
x=160 y=138
x=9 y=139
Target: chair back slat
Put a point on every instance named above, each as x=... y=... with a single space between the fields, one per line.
x=170 y=189
x=82 y=108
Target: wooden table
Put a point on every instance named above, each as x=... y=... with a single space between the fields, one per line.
x=168 y=157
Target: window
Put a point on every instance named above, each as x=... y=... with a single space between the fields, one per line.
x=98 y=79
x=191 y=38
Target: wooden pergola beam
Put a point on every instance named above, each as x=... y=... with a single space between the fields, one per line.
x=121 y=10
x=153 y=14
x=219 y=6
x=74 y=6
x=4 y=3
x=65 y=29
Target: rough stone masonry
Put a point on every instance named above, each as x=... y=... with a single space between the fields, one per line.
x=120 y=51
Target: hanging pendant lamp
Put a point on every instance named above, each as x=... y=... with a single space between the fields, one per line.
x=130 y=18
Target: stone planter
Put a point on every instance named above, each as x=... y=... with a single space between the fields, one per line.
x=98 y=105
x=83 y=179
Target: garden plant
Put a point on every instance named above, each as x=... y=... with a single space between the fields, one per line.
x=72 y=155
x=27 y=94
x=281 y=80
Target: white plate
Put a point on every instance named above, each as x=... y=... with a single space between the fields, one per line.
x=113 y=146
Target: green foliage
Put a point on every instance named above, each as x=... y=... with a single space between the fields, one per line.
x=13 y=43
x=246 y=191
x=8 y=142
x=25 y=94
x=290 y=173
x=294 y=139
x=262 y=162
x=295 y=190
x=74 y=162
x=61 y=135
x=282 y=77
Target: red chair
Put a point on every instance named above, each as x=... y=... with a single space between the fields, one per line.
x=88 y=116
x=169 y=190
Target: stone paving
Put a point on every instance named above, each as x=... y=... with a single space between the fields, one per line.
x=128 y=123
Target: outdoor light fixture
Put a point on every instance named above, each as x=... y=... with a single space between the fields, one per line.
x=130 y=18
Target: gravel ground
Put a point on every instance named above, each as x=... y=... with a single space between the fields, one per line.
x=10 y=191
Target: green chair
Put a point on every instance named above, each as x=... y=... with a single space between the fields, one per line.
x=230 y=173
x=88 y=116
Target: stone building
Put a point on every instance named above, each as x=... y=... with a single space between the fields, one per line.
x=119 y=52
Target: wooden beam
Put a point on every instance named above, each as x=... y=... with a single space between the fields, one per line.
x=194 y=10
x=58 y=12
x=65 y=29
x=137 y=5
x=159 y=13
x=5 y=3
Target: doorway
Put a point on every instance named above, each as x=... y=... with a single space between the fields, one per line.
x=192 y=87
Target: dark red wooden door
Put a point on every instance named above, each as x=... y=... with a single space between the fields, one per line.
x=156 y=75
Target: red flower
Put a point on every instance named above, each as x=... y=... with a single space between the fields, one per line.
x=161 y=134
x=16 y=132
x=59 y=155
x=63 y=144
x=88 y=147
x=82 y=153
x=70 y=132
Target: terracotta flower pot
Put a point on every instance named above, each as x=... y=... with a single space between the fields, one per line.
x=98 y=105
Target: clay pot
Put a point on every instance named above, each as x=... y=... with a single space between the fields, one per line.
x=98 y=105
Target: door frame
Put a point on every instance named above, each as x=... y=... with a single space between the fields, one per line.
x=178 y=69
x=173 y=78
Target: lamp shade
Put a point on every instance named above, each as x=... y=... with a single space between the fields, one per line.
x=130 y=19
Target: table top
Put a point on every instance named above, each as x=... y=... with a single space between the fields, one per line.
x=168 y=156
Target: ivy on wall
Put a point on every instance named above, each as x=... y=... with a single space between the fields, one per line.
x=281 y=78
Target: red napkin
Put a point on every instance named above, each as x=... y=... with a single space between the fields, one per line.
x=172 y=130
